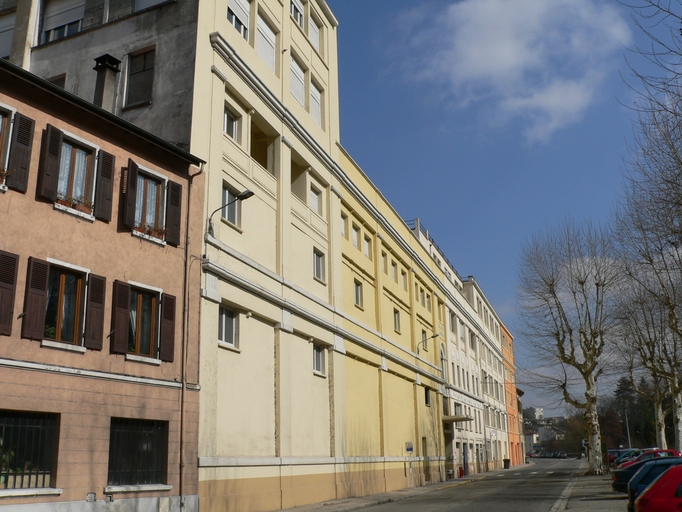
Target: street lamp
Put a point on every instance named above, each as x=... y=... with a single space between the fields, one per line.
x=424 y=340
x=240 y=197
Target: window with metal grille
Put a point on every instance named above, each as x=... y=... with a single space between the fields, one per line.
x=27 y=449
x=137 y=452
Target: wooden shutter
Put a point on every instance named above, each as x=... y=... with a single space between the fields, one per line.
x=167 y=341
x=173 y=213
x=130 y=195
x=20 y=153
x=51 y=153
x=33 y=326
x=105 y=185
x=9 y=266
x=94 y=312
x=120 y=318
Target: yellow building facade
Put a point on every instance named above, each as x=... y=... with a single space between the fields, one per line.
x=324 y=340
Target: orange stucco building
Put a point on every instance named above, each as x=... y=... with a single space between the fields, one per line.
x=99 y=221
x=516 y=455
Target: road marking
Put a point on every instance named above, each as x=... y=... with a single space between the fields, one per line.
x=516 y=474
x=550 y=472
x=502 y=474
x=561 y=503
x=534 y=473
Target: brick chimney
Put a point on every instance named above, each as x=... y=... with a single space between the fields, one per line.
x=107 y=68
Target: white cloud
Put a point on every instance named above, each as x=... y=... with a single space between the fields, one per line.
x=541 y=61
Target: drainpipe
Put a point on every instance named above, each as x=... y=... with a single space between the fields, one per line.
x=185 y=336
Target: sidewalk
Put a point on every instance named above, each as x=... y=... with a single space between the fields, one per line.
x=594 y=493
x=348 y=504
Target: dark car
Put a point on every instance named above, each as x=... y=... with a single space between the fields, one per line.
x=629 y=455
x=647 y=474
x=621 y=477
x=614 y=453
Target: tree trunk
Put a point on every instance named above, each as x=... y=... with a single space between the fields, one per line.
x=677 y=418
x=594 y=458
x=661 y=441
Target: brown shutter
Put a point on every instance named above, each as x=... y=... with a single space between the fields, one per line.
x=120 y=319
x=167 y=342
x=105 y=185
x=94 y=312
x=9 y=266
x=131 y=195
x=173 y=213
x=33 y=326
x=51 y=153
x=20 y=153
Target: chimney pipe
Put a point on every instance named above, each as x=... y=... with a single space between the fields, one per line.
x=107 y=68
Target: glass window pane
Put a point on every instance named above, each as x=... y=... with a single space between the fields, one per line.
x=146 y=324
x=52 y=309
x=64 y=171
x=80 y=176
x=151 y=206
x=69 y=308
x=139 y=201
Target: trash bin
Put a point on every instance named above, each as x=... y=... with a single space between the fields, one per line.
x=506 y=463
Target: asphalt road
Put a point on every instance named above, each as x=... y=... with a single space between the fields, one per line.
x=534 y=488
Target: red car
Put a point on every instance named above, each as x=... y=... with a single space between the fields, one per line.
x=651 y=454
x=664 y=493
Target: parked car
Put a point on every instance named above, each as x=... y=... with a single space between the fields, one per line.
x=614 y=453
x=651 y=454
x=663 y=494
x=629 y=455
x=646 y=474
x=621 y=477
x=562 y=455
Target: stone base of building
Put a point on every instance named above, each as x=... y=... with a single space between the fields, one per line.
x=259 y=489
x=157 y=504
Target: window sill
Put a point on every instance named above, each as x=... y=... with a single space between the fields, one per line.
x=143 y=359
x=319 y=374
x=321 y=281
x=71 y=211
x=24 y=493
x=149 y=238
x=115 y=489
x=137 y=105
x=359 y=307
x=229 y=346
x=232 y=225
x=62 y=346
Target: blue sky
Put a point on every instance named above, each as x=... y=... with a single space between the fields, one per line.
x=489 y=120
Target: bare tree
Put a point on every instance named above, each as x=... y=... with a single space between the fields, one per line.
x=567 y=282
x=644 y=343
x=649 y=229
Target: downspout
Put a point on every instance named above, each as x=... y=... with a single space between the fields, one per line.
x=185 y=336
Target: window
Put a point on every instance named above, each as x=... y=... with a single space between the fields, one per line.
x=367 y=247
x=318 y=359
x=62 y=18
x=238 y=16
x=149 y=205
x=297 y=82
x=137 y=452
x=356 y=236
x=140 y=327
x=427 y=397
x=64 y=299
x=227 y=326
x=422 y=299
x=140 y=78
x=384 y=262
x=297 y=12
x=315 y=200
x=396 y=320
x=232 y=211
x=403 y=277
x=424 y=341
x=316 y=103
x=4 y=139
x=318 y=264
x=394 y=271
x=314 y=33
x=428 y=302
x=344 y=226
x=266 y=42
x=76 y=176
x=7 y=23
x=357 y=288
x=27 y=449
x=231 y=124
